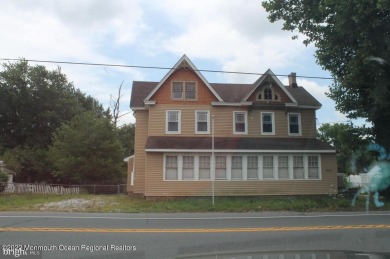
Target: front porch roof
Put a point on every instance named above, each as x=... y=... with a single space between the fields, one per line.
x=237 y=144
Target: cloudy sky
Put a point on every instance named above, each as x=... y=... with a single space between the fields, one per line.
x=229 y=35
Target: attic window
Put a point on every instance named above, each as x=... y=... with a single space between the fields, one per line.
x=177 y=90
x=183 y=91
x=190 y=90
x=267 y=94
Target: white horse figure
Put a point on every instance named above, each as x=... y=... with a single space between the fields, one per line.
x=378 y=177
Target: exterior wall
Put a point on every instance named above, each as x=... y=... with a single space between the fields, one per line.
x=156 y=186
x=149 y=167
x=308 y=123
x=141 y=134
x=223 y=121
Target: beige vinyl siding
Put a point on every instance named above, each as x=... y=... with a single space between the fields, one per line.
x=308 y=123
x=141 y=134
x=156 y=186
x=223 y=121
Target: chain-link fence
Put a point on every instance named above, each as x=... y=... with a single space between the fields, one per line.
x=65 y=189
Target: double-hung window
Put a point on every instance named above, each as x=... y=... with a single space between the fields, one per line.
x=190 y=91
x=188 y=168
x=171 y=168
x=267 y=123
x=183 y=91
x=177 y=90
x=298 y=167
x=173 y=121
x=294 y=124
x=313 y=165
x=220 y=168
x=252 y=167
x=283 y=167
x=202 y=123
x=237 y=168
x=204 y=167
x=240 y=123
x=268 y=167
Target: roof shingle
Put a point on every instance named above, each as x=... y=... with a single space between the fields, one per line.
x=231 y=93
x=241 y=144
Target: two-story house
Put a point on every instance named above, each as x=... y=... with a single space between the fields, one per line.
x=242 y=139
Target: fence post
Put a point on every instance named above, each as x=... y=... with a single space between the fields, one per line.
x=119 y=188
x=94 y=189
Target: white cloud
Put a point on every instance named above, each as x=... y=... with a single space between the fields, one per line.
x=232 y=35
x=78 y=31
x=238 y=36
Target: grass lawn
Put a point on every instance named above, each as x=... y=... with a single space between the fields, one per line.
x=126 y=204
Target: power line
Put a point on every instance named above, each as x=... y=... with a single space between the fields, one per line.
x=153 y=67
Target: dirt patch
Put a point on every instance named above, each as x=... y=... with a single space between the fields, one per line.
x=74 y=205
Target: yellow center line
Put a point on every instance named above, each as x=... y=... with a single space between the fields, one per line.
x=188 y=230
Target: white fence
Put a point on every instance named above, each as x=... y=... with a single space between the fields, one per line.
x=39 y=188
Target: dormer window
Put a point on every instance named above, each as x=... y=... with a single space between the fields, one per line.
x=267 y=94
x=184 y=91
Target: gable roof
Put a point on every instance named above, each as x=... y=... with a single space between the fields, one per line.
x=267 y=75
x=231 y=92
x=303 y=97
x=139 y=91
x=142 y=91
x=184 y=61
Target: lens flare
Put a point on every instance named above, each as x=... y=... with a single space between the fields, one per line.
x=378 y=177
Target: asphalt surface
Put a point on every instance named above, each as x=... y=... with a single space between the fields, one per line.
x=190 y=235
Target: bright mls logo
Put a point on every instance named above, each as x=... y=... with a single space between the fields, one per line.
x=15 y=251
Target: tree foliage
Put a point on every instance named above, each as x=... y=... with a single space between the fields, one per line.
x=34 y=103
x=126 y=135
x=351 y=144
x=86 y=150
x=353 y=43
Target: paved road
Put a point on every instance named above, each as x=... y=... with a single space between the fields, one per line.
x=101 y=235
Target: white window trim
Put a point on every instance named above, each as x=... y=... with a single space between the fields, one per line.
x=299 y=124
x=183 y=92
x=244 y=167
x=273 y=123
x=196 y=122
x=179 y=122
x=319 y=168
x=246 y=123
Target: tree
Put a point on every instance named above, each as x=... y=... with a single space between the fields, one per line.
x=126 y=137
x=34 y=102
x=351 y=144
x=86 y=150
x=30 y=163
x=353 y=43
x=115 y=105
